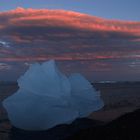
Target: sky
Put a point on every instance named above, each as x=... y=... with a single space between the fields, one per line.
x=114 y=9
x=100 y=39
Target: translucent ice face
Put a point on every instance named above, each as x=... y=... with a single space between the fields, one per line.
x=46 y=98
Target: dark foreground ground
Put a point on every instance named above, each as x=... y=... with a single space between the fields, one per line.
x=126 y=127
x=118 y=120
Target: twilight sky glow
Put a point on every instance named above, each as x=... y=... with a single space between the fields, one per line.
x=114 y=9
x=99 y=46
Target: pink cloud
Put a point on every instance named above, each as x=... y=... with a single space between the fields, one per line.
x=62 y=31
x=33 y=17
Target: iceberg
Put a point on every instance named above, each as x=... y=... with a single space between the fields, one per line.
x=46 y=98
x=84 y=97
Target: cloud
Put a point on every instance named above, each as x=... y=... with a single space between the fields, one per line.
x=23 y=23
x=39 y=35
x=4 y=44
x=4 y=66
x=43 y=18
x=57 y=32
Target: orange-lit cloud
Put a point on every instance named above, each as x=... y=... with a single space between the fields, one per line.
x=25 y=18
x=39 y=35
x=31 y=17
x=14 y=21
